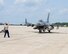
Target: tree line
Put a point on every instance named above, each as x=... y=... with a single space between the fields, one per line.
x=63 y=24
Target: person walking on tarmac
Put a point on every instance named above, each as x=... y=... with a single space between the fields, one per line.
x=6 y=31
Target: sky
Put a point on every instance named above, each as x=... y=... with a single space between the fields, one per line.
x=15 y=11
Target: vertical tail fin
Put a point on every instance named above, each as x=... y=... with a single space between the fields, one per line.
x=48 y=17
x=25 y=21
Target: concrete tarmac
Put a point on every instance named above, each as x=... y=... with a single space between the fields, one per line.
x=26 y=40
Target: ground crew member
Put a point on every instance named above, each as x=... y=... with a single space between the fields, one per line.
x=6 y=31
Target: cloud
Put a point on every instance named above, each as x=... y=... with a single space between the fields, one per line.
x=1 y=2
x=64 y=11
x=24 y=8
x=29 y=2
x=20 y=1
x=50 y=9
x=29 y=5
x=26 y=1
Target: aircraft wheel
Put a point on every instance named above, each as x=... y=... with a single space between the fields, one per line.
x=43 y=30
x=49 y=31
x=40 y=31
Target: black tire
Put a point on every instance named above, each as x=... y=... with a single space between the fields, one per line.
x=43 y=30
x=40 y=31
x=49 y=31
x=32 y=25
